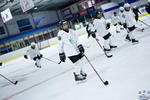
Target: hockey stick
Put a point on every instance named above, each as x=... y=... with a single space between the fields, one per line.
x=52 y=60
x=106 y=82
x=15 y=82
x=108 y=56
x=144 y=23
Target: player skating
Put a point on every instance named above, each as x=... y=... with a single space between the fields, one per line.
x=136 y=13
x=130 y=23
x=34 y=53
x=147 y=7
x=89 y=27
x=101 y=30
x=122 y=17
x=136 y=16
x=116 y=21
x=69 y=46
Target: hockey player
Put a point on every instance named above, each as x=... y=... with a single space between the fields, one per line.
x=136 y=13
x=68 y=45
x=122 y=17
x=90 y=27
x=101 y=29
x=34 y=53
x=116 y=21
x=147 y=7
x=130 y=24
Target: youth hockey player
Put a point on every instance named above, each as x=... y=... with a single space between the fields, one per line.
x=130 y=24
x=89 y=27
x=34 y=53
x=69 y=46
x=116 y=21
x=136 y=16
x=147 y=7
x=136 y=13
x=122 y=17
x=101 y=29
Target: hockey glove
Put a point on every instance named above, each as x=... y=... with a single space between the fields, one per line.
x=62 y=57
x=124 y=25
x=41 y=55
x=35 y=58
x=115 y=24
x=81 y=49
x=107 y=26
x=119 y=23
x=93 y=35
x=25 y=56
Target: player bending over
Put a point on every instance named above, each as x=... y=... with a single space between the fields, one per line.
x=101 y=30
x=34 y=53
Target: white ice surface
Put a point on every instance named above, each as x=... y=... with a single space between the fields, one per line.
x=128 y=72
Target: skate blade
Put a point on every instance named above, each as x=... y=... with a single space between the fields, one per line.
x=127 y=40
x=108 y=56
x=135 y=43
x=38 y=66
x=81 y=81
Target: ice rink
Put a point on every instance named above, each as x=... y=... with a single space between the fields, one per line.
x=128 y=72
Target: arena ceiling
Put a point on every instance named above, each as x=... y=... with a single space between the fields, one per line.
x=41 y=5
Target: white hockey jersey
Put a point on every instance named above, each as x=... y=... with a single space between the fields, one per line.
x=122 y=17
x=68 y=42
x=129 y=18
x=115 y=19
x=33 y=52
x=100 y=27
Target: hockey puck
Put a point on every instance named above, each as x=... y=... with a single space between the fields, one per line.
x=106 y=82
x=16 y=83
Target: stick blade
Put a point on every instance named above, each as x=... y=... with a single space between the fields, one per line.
x=109 y=56
x=15 y=83
x=59 y=62
x=106 y=83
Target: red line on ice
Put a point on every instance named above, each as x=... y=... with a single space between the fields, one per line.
x=37 y=84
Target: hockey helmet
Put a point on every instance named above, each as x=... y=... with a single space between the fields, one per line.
x=98 y=12
x=121 y=9
x=33 y=44
x=126 y=5
x=62 y=22
x=115 y=13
